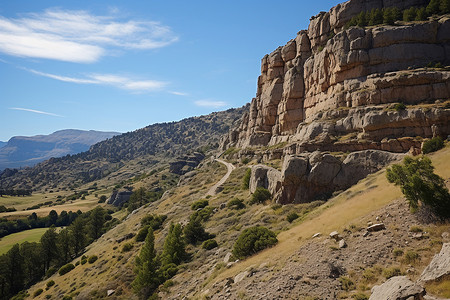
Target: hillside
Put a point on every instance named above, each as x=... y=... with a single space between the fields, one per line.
x=145 y=147
x=26 y=151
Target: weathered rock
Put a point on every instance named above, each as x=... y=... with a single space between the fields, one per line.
x=397 y=288
x=239 y=277
x=335 y=235
x=439 y=267
x=118 y=198
x=342 y=244
x=376 y=227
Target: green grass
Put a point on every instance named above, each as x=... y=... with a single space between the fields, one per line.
x=32 y=235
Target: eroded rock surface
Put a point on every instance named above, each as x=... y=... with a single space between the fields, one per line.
x=397 y=288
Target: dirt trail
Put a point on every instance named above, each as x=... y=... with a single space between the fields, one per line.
x=230 y=168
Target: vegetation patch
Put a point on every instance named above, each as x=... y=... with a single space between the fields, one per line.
x=253 y=240
x=66 y=269
x=260 y=195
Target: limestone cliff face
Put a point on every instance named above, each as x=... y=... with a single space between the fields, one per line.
x=342 y=80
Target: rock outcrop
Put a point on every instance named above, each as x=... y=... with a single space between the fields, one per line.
x=329 y=82
x=186 y=163
x=313 y=176
x=397 y=288
x=118 y=198
x=439 y=268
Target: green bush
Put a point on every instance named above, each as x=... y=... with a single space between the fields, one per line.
x=236 y=204
x=66 y=269
x=127 y=247
x=38 y=292
x=199 y=204
x=260 y=195
x=83 y=261
x=398 y=106
x=209 y=244
x=50 y=283
x=154 y=221
x=67 y=297
x=204 y=214
x=253 y=240
x=419 y=184
x=360 y=296
x=432 y=145
x=391 y=272
x=194 y=231
x=411 y=257
x=291 y=217
x=397 y=252
x=142 y=234
x=246 y=179
x=51 y=271
x=92 y=259
x=346 y=283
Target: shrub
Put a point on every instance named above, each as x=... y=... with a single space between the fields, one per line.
x=260 y=195
x=38 y=292
x=67 y=297
x=92 y=259
x=391 y=272
x=370 y=275
x=199 y=204
x=51 y=271
x=50 y=283
x=415 y=229
x=204 y=214
x=194 y=231
x=236 y=204
x=419 y=184
x=209 y=244
x=253 y=240
x=66 y=269
x=127 y=247
x=154 y=221
x=411 y=257
x=398 y=106
x=246 y=179
x=346 y=283
x=142 y=234
x=102 y=199
x=360 y=296
x=432 y=145
x=291 y=217
x=83 y=261
x=397 y=252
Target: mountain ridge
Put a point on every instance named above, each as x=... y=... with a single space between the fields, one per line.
x=23 y=151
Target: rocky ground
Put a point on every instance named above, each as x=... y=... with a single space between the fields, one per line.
x=314 y=270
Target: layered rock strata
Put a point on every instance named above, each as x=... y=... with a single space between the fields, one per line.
x=313 y=176
x=359 y=70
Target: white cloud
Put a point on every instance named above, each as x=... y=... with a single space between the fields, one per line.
x=121 y=82
x=78 y=36
x=178 y=93
x=35 y=111
x=210 y=103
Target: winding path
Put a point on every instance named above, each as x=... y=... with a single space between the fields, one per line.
x=230 y=168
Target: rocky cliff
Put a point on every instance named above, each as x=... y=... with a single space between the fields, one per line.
x=334 y=86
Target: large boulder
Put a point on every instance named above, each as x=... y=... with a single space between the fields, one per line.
x=439 y=267
x=397 y=288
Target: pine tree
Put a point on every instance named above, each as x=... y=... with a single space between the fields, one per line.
x=409 y=14
x=433 y=7
x=96 y=222
x=16 y=272
x=49 y=246
x=78 y=236
x=174 y=246
x=147 y=280
x=444 y=7
x=64 y=245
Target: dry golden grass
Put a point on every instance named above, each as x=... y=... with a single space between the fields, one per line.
x=347 y=208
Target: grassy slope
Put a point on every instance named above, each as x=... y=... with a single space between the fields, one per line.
x=33 y=235
x=341 y=211
x=113 y=270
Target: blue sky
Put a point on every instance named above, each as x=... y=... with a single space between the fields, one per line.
x=122 y=65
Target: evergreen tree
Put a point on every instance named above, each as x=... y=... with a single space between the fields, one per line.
x=64 y=245
x=444 y=7
x=174 y=246
x=362 y=19
x=16 y=275
x=421 y=14
x=147 y=280
x=433 y=7
x=78 y=236
x=33 y=261
x=410 y=14
x=96 y=222
x=376 y=17
x=49 y=246
x=420 y=185
x=194 y=231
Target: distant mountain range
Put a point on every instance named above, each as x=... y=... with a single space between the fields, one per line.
x=22 y=151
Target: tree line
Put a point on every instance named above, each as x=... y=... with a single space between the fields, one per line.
x=34 y=221
x=17 y=192
x=27 y=263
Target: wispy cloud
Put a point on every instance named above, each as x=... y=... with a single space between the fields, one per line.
x=121 y=82
x=178 y=93
x=78 y=36
x=210 y=103
x=35 y=111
